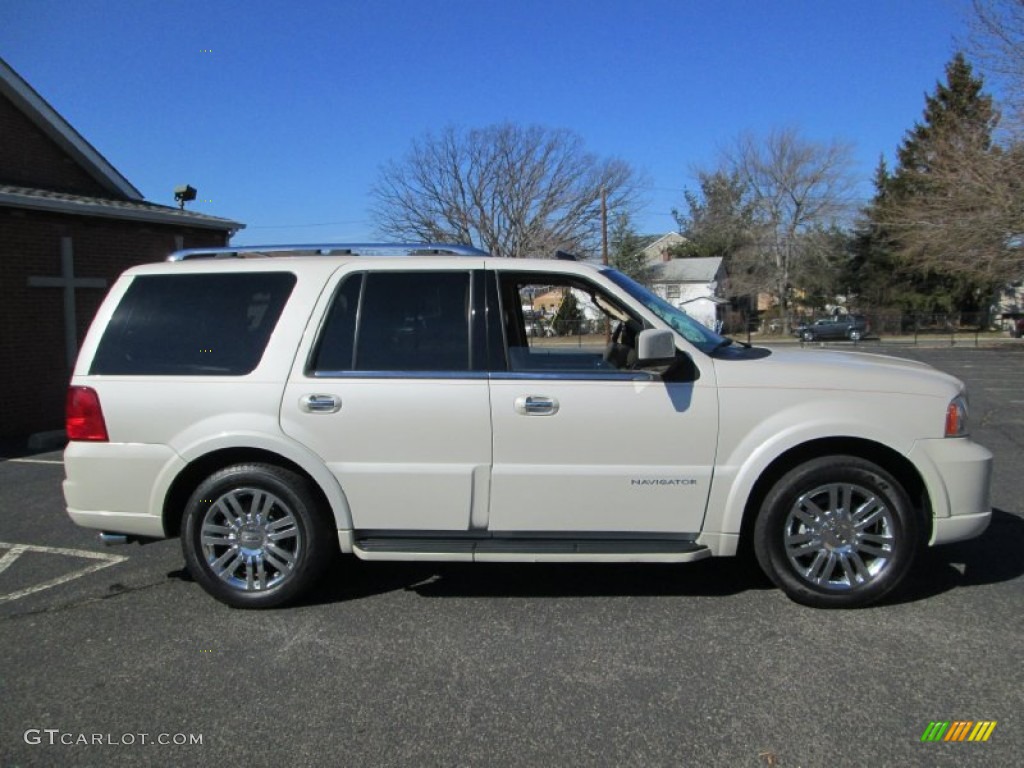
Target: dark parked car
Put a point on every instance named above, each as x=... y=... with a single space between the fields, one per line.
x=852 y=327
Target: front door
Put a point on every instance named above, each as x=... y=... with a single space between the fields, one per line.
x=584 y=442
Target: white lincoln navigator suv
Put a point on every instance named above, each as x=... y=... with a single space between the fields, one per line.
x=275 y=406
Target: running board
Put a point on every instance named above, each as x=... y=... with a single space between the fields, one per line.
x=532 y=550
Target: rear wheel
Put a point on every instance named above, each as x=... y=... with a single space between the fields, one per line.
x=253 y=536
x=836 y=532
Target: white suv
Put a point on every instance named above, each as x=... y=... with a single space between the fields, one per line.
x=274 y=406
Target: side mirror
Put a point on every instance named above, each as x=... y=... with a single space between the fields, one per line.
x=655 y=350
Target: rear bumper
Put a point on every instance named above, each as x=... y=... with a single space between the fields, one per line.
x=118 y=487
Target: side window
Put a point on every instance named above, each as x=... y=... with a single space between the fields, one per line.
x=193 y=325
x=397 y=321
x=557 y=324
x=336 y=346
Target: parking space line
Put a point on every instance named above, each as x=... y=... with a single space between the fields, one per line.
x=14 y=551
x=9 y=557
x=35 y=461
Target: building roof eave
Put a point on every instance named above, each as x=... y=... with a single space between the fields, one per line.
x=59 y=130
x=77 y=205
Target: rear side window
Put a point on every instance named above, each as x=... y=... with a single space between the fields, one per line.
x=397 y=321
x=193 y=325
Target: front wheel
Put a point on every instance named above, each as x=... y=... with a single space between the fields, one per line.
x=253 y=536
x=836 y=532
x=807 y=336
x=855 y=335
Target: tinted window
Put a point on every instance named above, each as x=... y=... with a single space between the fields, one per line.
x=336 y=347
x=193 y=325
x=403 y=321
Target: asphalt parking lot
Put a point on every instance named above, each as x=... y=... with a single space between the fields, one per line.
x=114 y=657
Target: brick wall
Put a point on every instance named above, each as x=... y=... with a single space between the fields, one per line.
x=29 y=158
x=33 y=368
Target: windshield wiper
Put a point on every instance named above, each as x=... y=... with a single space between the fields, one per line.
x=727 y=342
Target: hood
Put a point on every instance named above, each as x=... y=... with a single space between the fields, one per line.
x=833 y=370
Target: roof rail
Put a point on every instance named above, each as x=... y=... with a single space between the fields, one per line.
x=328 y=249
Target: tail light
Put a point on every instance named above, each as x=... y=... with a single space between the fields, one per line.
x=84 y=416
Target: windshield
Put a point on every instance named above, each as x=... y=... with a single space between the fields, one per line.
x=695 y=333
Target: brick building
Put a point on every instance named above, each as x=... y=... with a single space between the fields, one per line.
x=69 y=225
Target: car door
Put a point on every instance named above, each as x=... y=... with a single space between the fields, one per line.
x=584 y=442
x=391 y=399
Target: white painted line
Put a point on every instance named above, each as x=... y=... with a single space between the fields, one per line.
x=16 y=550
x=9 y=557
x=35 y=461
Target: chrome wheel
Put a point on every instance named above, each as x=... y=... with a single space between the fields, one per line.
x=837 y=532
x=250 y=539
x=839 y=536
x=256 y=535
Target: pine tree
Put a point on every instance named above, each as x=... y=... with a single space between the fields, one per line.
x=958 y=116
x=935 y=235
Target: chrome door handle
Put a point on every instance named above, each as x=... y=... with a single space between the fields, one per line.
x=320 y=403
x=536 y=405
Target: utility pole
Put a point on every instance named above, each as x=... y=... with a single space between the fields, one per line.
x=604 y=250
x=604 y=226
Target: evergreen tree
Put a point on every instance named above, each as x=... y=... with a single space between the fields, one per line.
x=718 y=221
x=872 y=273
x=626 y=248
x=935 y=236
x=568 y=319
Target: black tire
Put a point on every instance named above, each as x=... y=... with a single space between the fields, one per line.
x=855 y=335
x=807 y=336
x=254 y=536
x=836 y=532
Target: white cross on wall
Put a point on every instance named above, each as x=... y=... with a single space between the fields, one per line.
x=69 y=283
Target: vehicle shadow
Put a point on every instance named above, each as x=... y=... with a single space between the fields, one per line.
x=991 y=558
x=350 y=579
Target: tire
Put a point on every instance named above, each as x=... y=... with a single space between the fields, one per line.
x=807 y=336
x=836 y=532
x=254 y=536
x=855 y=335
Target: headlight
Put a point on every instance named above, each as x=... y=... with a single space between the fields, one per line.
x=956 y=417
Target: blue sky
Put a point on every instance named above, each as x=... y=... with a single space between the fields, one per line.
x=281 y=113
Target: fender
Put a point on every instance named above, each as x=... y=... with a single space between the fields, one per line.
x=272 y=442
x=747 y=456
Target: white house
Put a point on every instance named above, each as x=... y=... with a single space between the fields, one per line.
x=693 y=284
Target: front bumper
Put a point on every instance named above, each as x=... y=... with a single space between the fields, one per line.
x=957 y=473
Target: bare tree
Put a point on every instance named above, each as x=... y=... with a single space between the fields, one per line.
x=796 y=191
x=512 y=190
x=997 y=42
x=966 y=217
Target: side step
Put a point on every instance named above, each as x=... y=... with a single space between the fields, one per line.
x=529 y=550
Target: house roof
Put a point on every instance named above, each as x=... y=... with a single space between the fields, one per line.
x=59 y=130
x=62 y=202
x=695 y=270
x=654 y=248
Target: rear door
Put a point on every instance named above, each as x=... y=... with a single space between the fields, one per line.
x=391 y=397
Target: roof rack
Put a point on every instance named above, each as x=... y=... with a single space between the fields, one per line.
x=329 y=249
